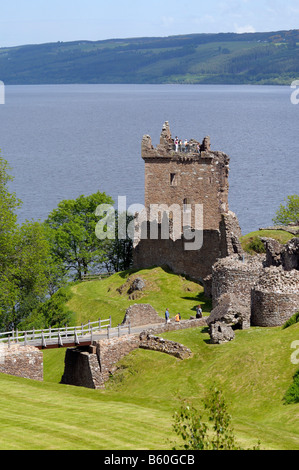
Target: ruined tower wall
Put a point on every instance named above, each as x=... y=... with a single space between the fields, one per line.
x=196 y=264
x=272 y=309
x=187 y=179
x=275 y=297
x=236 y=276
x=199 y=179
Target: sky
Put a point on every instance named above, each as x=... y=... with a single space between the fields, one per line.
x=41 y=21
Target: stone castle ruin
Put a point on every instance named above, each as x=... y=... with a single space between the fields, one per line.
x=185 y=179
x=261 y=290
x=246 y=290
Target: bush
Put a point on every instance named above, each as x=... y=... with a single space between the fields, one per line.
x=200 y=435
x=292 y=395
x=291 y=321
x=256 y=245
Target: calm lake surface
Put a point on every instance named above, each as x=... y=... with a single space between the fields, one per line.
x=62 y=141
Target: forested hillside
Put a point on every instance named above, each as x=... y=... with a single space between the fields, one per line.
x=228 y=58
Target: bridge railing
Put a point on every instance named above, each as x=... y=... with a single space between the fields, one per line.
x=60 y=335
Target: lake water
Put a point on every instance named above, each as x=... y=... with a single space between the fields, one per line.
x=62 y=141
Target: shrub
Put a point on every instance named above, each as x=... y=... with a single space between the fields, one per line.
x=256 y=245
x=291 y=321
x=292 y=394
x=199 y=435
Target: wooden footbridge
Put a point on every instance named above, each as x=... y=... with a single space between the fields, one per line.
x=65 y=337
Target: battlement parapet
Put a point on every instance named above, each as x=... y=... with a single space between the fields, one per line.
x=176 y=149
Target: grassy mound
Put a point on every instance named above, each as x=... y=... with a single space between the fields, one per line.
x=252 y=243
x=100 y=299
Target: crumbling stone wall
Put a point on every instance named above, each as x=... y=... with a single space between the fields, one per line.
x=273 y=251
x=230 y=234
x=286 y=255
x=275 y=297
x=290 y=255
x=231 y=311
x=258 y=290
x=21 y=361
x=92 y=368
x=155 y=343
x=141 y=314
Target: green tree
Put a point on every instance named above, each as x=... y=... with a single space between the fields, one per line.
x=213 y=433
x=71 y=232
x=27 y=273
x=288 y=213
x=52 y=313
x=119 y=252
x=30 y=268
x=8 y=227
x=25 y=259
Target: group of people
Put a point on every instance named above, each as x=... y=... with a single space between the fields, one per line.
x=167 y=316
x=177 y=318
x=184 y=146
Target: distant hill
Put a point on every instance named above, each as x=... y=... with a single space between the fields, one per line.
x=224 y=58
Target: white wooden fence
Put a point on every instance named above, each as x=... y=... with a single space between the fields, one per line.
x=64 y=337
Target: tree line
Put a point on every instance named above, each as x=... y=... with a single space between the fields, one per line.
x=39 y=260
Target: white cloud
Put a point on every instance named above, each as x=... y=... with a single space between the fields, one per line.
x=244 y=29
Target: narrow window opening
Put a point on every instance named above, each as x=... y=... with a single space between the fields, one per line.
x=173 y=179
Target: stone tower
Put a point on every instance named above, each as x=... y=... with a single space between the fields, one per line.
x=186 y=176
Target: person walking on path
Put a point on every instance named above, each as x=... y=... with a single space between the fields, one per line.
x=167 y=316
x=198 y=312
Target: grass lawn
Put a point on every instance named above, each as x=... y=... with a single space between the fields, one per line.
x=136 y=409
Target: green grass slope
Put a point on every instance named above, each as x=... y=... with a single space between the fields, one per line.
x=135 y=411
x=100 y=299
